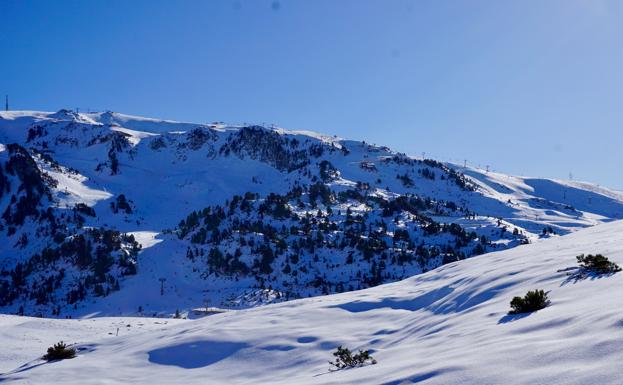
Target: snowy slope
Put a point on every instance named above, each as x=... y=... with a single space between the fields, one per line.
x=560 y=203
x=446 y=326
x=117 y=181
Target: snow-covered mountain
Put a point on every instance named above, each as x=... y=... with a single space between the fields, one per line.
x=105 y=213
x=446 y=326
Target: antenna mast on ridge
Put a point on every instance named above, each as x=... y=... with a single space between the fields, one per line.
x=6 y=102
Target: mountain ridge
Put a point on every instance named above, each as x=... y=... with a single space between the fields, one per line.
x=297 y=214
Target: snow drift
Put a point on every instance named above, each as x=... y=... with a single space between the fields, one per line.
x=446 y=326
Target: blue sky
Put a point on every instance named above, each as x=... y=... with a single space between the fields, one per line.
x=528 y=87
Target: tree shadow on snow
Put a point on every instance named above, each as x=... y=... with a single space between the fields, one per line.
x=195 y=354
x=577 y=274
x=39 y=362
x=437 y=301
x=414 y=304
x=513 y=317
x=425 y=376
x=23 y=368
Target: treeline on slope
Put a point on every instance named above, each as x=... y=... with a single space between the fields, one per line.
x=283 y=153
x=94 y=253
x=446 y=172
x=293 y=240
x=31 y=188
x=288 y=153
x=67 y=261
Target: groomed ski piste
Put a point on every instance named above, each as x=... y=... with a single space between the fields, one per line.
x=447 y=326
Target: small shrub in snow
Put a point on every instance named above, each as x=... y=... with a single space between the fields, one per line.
x=597 y=264
x=344 y=358
x=533 y=300
x=59 y=351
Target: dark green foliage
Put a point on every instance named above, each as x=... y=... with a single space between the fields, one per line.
x=344 y=358
x=344 y=196
x=547 y=230
x=267 y=259
x=597 y=264
x=275 y=205
x=114 y=162
x=322 y=191
x=328 y=172
x=59 y=351
x=31 y=190
x=427 y=173
x=84 y=209
x=118 y=141
x=257 y=236
x=5 y=185
x=200 y=136
x=36 y=131
x=457 y=177
x=268 y=146
x=157 y=143
x=405 y=179
x=121 y=204
x=94 y=252
x=212 y=217
x=533 y=300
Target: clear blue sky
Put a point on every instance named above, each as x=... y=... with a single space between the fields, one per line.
x=528 y=86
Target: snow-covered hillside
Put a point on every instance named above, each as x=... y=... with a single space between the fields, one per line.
x=108 y=214
x=446 y=326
